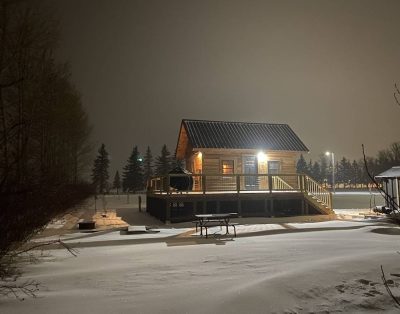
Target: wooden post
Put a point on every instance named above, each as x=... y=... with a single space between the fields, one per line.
x=237 y=183
x=140 y=202
x=204 y=183
x=194 y=208
x=271 y=207
x=301 y=181
x=270 y=183
x=239 y=206
x=266 y=210
x=167 y=211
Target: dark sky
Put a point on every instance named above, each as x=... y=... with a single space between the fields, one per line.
x=327 y=68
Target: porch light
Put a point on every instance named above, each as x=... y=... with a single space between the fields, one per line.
x=199 y=154
x=261 y=156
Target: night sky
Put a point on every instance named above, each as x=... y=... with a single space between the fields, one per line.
x=327 y=68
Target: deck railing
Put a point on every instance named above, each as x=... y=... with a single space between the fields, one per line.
x=317 y=192
x=243 y=183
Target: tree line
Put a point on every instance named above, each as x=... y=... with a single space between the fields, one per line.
x=350 y=173
x=44 y=130
x=136 y=173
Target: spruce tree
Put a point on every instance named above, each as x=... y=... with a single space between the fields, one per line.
x=356 y=173
x=132 y=178
x=301 y=165
x=316 y=171
x=148 y=165
x=100 y=170
x=163 y=162
x=176 y=163
x=117 y=182
x=309 y=168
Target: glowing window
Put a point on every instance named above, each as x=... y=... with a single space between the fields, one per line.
x=227 y=167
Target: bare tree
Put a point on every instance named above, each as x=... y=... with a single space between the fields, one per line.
x=44 y=130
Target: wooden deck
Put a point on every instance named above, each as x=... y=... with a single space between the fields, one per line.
x=268 y=195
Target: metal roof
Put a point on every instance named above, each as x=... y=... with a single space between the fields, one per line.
x=391 y=173
x=242 y=135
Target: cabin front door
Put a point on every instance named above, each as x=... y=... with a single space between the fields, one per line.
x=250 y=167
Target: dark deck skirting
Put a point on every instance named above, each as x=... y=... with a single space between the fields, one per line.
x=172 y=208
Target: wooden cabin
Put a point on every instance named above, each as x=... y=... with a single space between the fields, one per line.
x=227 y=148
x=248 y=168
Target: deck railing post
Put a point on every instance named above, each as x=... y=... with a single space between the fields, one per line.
x=204 y=183
x=168 y=184
x=305 y=184
x=238 y=183
x=270 y=183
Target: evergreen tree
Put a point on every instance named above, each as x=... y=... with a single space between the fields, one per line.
x=132 y=178
x=117 y=182
x=163 y=162
x=356 y=173
x=148 y=165
x=309 y=168
x=176 y=163
x=316 y=171
x=301 y=165
x=344 y=172
x=100 y=170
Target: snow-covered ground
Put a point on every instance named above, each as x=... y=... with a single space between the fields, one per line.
x=301 y=271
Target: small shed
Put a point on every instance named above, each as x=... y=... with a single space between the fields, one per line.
x=391 y=185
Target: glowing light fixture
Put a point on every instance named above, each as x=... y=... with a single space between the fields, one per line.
x=199 y=154
x=261 y=156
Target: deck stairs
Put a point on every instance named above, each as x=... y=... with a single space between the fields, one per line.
x=315 y=194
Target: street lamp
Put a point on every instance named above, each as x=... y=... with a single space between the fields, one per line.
x=333 y=168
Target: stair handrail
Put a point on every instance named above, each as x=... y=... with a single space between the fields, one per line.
x=315 y=189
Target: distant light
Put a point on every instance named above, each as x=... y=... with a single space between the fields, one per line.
x=140 y=159
x=199 y=154
x=261 y=156
x=327 y=153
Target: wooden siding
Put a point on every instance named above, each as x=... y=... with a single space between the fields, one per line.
x=212 y=164
x=212 y=159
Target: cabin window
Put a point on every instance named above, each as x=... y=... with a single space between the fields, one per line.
x=227 y=167
x=274 y=167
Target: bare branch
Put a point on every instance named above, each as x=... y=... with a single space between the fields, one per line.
x=9 y=84
x=69 y=249
x=385 y=195
x=396 y=93
x=28 y=288
x=388 y=288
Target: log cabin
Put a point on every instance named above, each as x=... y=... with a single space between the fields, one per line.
x=243 y=167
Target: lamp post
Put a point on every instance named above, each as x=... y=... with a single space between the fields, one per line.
x=332 y=154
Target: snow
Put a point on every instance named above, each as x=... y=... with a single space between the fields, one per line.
x=333 y=270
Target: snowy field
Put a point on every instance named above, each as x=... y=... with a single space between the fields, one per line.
x=336 y=269
x=271 y=267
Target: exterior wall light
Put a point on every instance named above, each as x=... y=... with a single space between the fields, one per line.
x=262 y=157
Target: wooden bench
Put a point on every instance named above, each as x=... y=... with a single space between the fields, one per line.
x=201 y=224
x=215 y=220
x=222 y=224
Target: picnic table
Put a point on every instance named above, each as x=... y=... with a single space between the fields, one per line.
x=215 y=220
